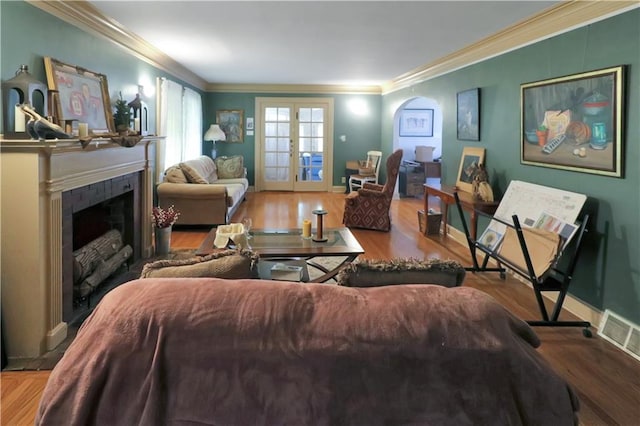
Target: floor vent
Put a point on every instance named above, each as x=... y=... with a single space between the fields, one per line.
x=621 y=333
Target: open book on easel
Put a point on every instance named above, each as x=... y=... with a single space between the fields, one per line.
x=547 y=216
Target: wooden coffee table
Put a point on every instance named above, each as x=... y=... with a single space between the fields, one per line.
x=283 y=244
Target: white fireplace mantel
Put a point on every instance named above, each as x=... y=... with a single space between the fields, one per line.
x=33 y=176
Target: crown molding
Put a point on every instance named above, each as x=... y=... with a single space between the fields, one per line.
x=85 y=16
x=294 y=88
x=557 y=19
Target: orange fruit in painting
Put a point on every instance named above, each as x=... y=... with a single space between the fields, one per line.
x=579 y=132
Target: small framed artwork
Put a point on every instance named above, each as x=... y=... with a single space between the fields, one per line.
x=468 y=110
x=231 y=122
x=575 y=122
x=471 y=159
x=249 y=123
x=79 y=94
x=416 y=122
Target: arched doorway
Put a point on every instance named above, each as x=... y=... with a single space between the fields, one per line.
x=428 y=133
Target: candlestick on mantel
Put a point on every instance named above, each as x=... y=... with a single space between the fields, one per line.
x=319 y=228
x=20 y=119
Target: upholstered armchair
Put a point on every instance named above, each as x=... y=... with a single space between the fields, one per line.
x=369 y=206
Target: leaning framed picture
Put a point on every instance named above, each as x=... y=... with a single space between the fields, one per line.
x=230 y=122
x=79 y=94
x=575 y=122
x=469 y=162
x=416 y=122
x=468 y=111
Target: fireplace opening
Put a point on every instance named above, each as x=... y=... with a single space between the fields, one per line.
x=95 y=221
x=90 y=212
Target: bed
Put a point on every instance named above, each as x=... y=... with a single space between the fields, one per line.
x=208 y=351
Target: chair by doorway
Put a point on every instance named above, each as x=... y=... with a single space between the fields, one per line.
x=368 y=207
x=372 y=163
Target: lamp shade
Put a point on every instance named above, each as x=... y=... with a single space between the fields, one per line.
x=215 y=133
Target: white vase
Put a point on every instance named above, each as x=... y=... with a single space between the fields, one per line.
x=163 y=240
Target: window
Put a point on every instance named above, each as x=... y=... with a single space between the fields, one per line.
x=181 y=124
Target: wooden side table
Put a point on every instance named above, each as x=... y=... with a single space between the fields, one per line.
x=445 y=193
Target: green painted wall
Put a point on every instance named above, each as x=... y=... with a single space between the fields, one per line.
x=362 y=132
x=608 y=274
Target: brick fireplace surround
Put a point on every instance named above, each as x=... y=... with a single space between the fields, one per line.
x=34 y=176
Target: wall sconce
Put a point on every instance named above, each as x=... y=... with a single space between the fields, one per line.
x=214 y=134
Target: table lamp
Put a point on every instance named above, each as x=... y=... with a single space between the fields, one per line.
x=214 y=134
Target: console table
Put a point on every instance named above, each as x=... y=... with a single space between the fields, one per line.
x=446 y=193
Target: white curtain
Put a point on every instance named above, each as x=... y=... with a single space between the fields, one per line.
x=170 y=100
x=192 y=119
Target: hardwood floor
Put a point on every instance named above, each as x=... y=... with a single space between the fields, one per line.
x=606 y=379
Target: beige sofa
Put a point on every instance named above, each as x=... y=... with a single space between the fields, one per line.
x=204 y=191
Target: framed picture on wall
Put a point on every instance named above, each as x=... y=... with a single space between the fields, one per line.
x=471 y=159
x=231 y=122
x=79 y=94
x=574 y=122
x=416 y=122
x=468 y=110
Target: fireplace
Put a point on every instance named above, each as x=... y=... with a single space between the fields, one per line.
x=89 y=212
x=45 y=183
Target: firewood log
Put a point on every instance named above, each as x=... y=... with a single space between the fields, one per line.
x=87 y=258
x=104 y=269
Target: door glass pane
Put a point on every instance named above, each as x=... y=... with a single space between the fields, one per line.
x=270 y=144
x=305 y=114
x=271 y=114
x=277 y=156
x=270 y=129
x=311 y=143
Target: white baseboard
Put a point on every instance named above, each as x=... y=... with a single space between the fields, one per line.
x=577 y=307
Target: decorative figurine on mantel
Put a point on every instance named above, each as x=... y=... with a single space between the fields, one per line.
x=480 y=184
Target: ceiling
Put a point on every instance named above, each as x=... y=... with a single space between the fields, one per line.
x=313 y=42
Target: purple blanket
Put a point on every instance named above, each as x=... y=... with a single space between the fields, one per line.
x=206 y=351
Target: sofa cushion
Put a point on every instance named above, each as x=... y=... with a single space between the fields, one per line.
x=174 y=174
x=229 y=264
x=193 y=176
x=230 y=167
x=203 y=166
x=373 y=273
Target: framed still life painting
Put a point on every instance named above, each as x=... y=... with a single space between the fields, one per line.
x=78 y=94
x=574 y=122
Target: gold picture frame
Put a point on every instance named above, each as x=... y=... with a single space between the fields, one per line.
x=78 y=94
x=231 y=122
x=471 y=158
x=575 y=122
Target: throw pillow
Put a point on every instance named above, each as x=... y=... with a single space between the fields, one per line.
x=229 y=264
x=192 y=174
x=373 y=273
x=230 y=167
x=174 y=174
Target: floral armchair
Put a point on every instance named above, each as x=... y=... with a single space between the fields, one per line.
x=369 y=206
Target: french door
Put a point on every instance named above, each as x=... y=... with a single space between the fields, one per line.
x=294 y=144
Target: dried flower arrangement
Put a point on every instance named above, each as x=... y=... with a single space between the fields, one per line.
x=164 y=218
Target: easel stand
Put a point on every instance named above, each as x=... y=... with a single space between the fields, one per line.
x=552 y=280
